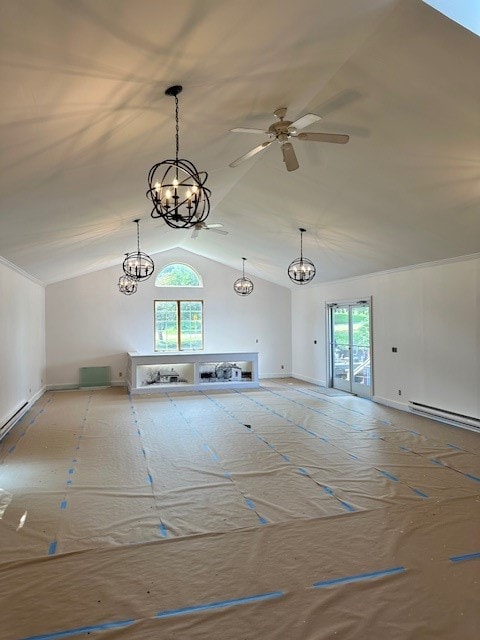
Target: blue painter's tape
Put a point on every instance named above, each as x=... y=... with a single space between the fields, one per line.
x=324 y=439
x=353 y=456
x=388 y=475
x=212 y=453
x=228 y=474
x=438 y=462
x=139 y=432
x=68 y=633
x=286 y=458
x=77 y=448
x=466 y=556
x=74 y=460
x=222 y=604
x=454 y=446
x=472 y=477
x=347 y=506
x=163 y=530
x=250 y=504
x=328 y=490
x=12 y=448
x=414 y=432
x=52 y=548
x=358 y=577
x=405 y=449
x=69 y=482
x=303 y=471
x=71 y=471
x=262 y=520
x=149 y=478
x=144 y=452
x=422 y=494
x=63 y=504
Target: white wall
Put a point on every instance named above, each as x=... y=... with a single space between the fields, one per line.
x=431 y=314
x=89 y=323
x=22 y=340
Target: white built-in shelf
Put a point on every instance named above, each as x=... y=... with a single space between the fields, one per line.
x=161 y=372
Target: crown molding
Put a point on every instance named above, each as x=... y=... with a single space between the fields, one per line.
x=21 y=272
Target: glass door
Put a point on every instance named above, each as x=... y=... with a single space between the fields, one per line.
x=350 y=348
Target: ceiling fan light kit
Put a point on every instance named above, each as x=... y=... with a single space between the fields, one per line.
x=243 y=286
x=138 y=265
x=301 y=270
x=175 y=186
x=283 y=131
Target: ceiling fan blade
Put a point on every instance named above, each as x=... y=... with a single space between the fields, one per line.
x=247 y=130
x=289 y=156
x=251 y=153
x=195 y=232
x=214 y=225
x=305 y=120
x=336 y=138
x=222 y=231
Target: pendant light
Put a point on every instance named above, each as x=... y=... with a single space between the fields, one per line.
x=127 y=285
x=176 y=188
x=138 y=265
x=301 y=270
x=243 y=286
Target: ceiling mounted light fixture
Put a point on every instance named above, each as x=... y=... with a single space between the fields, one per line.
x=176 y=188
x=127 y=285
x=243 y=286
x=301 y=270
x=138 y=265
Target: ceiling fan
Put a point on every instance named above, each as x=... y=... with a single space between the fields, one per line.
x=215 y=226
x=282 y=131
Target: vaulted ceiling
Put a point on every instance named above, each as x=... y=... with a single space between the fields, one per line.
x=84 y=117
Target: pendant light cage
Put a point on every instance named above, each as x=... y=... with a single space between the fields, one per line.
x=127 y=285
x=176 y=188
x=301 y=270
x=243 y=286
x=138 y=265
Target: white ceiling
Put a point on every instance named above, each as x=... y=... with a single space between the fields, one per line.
x=84 y=116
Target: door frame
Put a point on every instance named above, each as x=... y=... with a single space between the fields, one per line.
x=367 y=300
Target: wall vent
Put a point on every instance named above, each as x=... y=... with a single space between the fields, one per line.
x=450 y=417
x=95 y=377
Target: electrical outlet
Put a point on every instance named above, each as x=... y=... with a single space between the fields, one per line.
x=399 y=392
x=282 y=367
x=256 y=340
x=120 y=374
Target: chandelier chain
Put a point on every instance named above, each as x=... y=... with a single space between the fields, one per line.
x=177 y=130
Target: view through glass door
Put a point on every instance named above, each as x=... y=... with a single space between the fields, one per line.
x=350 y=348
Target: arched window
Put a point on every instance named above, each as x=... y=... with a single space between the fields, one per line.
x=177 y=274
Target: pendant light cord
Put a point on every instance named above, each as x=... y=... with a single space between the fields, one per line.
x=138 y=236
x=176 y=129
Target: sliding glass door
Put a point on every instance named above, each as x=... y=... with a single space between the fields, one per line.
x=350 y=347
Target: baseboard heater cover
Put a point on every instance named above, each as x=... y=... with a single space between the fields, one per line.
x=95 y=377
x=4 y=428
x=458 y=419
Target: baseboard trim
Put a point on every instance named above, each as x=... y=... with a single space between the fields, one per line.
x=19 y=412
x=402 y=406
x=320 y=383
x=274 y=375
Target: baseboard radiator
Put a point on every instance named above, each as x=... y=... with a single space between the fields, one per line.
x=12 y=420
x=95 y=377
x=457 y=419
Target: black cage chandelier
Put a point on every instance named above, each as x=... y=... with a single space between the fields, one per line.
x=176 y=188
x=243 y=286
x=138 y=265
x=127 y=285
x=301 y=270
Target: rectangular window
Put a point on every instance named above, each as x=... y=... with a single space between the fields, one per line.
x=178 y=325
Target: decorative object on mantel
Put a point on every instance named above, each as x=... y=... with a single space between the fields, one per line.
x=301 y=270
x=138 y=265
x=243 y=286
x=176 y=188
